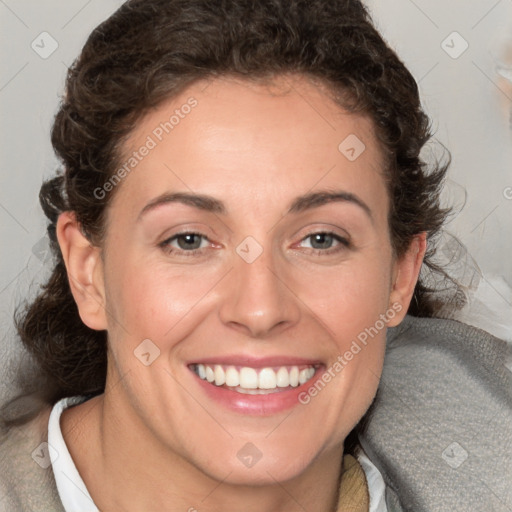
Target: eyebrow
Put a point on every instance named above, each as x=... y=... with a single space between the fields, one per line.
x=199 y=201
x=316 y=199
x=299 y=204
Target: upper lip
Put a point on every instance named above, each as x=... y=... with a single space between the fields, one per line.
x=257 y=362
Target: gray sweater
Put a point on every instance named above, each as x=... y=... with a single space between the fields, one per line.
x=439 y=429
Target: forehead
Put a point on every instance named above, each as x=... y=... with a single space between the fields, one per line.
x=253 y=142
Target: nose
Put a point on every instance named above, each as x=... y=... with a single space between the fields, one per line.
x=257 y=300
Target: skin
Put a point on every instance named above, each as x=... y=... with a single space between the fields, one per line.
x=154 y=440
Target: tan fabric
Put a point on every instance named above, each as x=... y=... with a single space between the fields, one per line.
x=354 y=495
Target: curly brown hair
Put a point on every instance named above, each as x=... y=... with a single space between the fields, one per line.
x=149 y=51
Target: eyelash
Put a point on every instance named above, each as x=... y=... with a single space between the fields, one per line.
x=165 y=245
x=343 y=244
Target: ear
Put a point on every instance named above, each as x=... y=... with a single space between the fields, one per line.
x=405 y=276
x=85 y=271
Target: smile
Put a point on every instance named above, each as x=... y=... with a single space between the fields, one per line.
x=254 y=381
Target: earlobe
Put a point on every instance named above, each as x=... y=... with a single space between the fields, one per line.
x=406 y=273
x=85 y=271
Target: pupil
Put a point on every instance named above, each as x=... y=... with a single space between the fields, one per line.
x=324 y=241
x=187 y=241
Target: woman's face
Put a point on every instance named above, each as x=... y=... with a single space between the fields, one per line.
x=249 y=241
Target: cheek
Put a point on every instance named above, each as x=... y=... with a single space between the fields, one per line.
x=156 y=301
x=352 y=294
x=352 y=302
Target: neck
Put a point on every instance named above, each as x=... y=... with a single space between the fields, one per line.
x=126 y=467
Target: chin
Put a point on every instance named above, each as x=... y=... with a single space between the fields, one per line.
x=259 y=462
x=262 y=473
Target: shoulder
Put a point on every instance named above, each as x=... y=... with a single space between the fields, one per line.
x=469 y=345
x=26 y=475
x=440 y=427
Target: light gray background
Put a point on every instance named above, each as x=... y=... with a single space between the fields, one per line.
x=469 y=101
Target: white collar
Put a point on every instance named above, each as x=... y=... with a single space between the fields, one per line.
x=72 y=491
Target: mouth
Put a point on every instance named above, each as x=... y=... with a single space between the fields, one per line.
x=255 y=381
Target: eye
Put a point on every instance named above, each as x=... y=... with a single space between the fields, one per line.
x=190 y=243
x=325 y=242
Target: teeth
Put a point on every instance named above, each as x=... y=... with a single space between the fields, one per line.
x=220 y=376
x=283 y=378
x=210 y=375
x=249 y=380
x=294 y=377
x=303 y=376
x=267 y=379
x=232 y=377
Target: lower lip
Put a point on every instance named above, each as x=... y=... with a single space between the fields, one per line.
x=259 y=405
